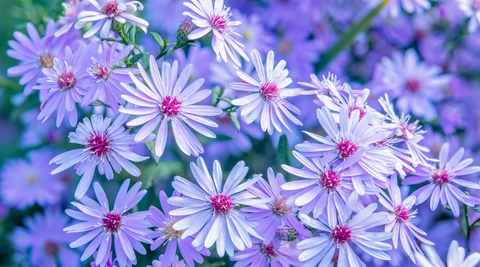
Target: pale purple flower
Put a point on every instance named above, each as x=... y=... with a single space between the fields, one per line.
x=161 y=262
x=65 y=84
x=71 y=8
x=166 y=99
x=26 y=182
x=209 y=210
x=105 y=225
x=400 y=219
x=215 y=19
x=455 y=257
x=273 y=217
x=167 y=236
x=442 y=180
x=107 y=145
x=261 y=255
x=267 y=98
x=254 y=34
x=109 y=263
x=44 y=238
x=471 y=8
x=317 y=86
x=107 y=12
x=394 y=7
x=339 y=234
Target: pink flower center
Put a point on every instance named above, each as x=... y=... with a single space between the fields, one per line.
x=112 y=222
x=45 y=60
x=270 y=91
x=219 y=23
x=269 y=251
x=170 y=106
x=169 y=232
x=100 y=72
x=99 y=145
x=440 y=177
x=330 y=180
x=406 y=128
x=221 y=204
x=413 y=85
x=51 y=248
x=381 y=143
x=341 y=234
x=111 y=9
x=352 y=108
x=345 y=149
x=279 y=207
x=402 y=214
x=66 y=80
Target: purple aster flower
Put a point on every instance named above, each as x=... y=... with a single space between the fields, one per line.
x=104 y=225
x=210 y=208
x=261 y=255
x=107 y=145
x=169 y=237
x=415 y=83
x=400 y=217
x=455 y=257
x=216 y=19
x=339 y=234
x=26 y=182
x=176 y=263
x=254 y=34
x=71 y=8
x=394 y=7
x=267 y=98
x=277 y=215
x=471 y=8
x=317 y=86
x=104 y=80
x=44 y=238
x=65 y=84
x=165 y=100
x=441 y=180
x=35 y=53
x=107 y=12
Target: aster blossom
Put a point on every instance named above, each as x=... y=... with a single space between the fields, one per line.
x=105 y=225
x=166 y=99
x=109 y=11
x=209 y=209
x=262 y=254
x=215 y=19
x=442 y=180
x=455 y=257
x=161 y=261
x=394 y=7
x=267 y=98
x=171 y=238
x=471 y=8
x=71 y=8
x=106 y=145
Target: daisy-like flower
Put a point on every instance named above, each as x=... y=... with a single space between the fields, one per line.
x=176 y=263
x=414 y=82
x=455 y=257
x=394 y=7
x=35 y=53
x=268 y=95
x=277 y=215
x=107 y=146
x=441 y=180
x=317 y=86
x=71 y=8
x=104 y=225
x=471 y=8
x=338 y=235
x=65 y=84
x=354 y=136
x=166 y=235
x=210 y=208
x=104 y=80
x=164 y=100
x=261 y=255
x=216 y=19
x=400 y=216
x=44 y=238
x=107 y=12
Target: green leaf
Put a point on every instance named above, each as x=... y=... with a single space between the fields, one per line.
x=158 y=39
x=151 y=147
x=132 y=31
x=283 y=152
x=169 y=53
x=100 y=103
x=145 y=60
x=164 y=170
x=226 y=99
x=477 y=209
x=216 y=92
x=476 y=224
x=136 y=58
x=113 y=40
x=235 y=121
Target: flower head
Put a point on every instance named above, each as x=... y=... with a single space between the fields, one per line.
x=105 y=225
x=471 y=8
x=262 y=254
x=71 y=8
x=455 y=257
x=394 y=7
x=176 y=263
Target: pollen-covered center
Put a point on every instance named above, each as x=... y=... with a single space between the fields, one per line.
x=341 y=234
x=401 y=214
x=46 y=60
x=51 y=248
x=280 y=208
x=111 y=9
x=269 y=251
x=112 y=221
x=99 y=145
x=413 y=85
x=169 y=232
x=66 y=80
x=345 y=149
x=270 y=91
x=100 y=72
x=330 y=180
x=219 y=23
x=221 y=204
x=170 y=106
x=440 y=177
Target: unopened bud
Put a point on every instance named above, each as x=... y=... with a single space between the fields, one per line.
x=285 y=233
x=185 y=29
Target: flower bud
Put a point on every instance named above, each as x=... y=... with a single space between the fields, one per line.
x=285 y=233
x=185 y=28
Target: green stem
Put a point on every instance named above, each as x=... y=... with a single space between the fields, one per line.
x=348 y=37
